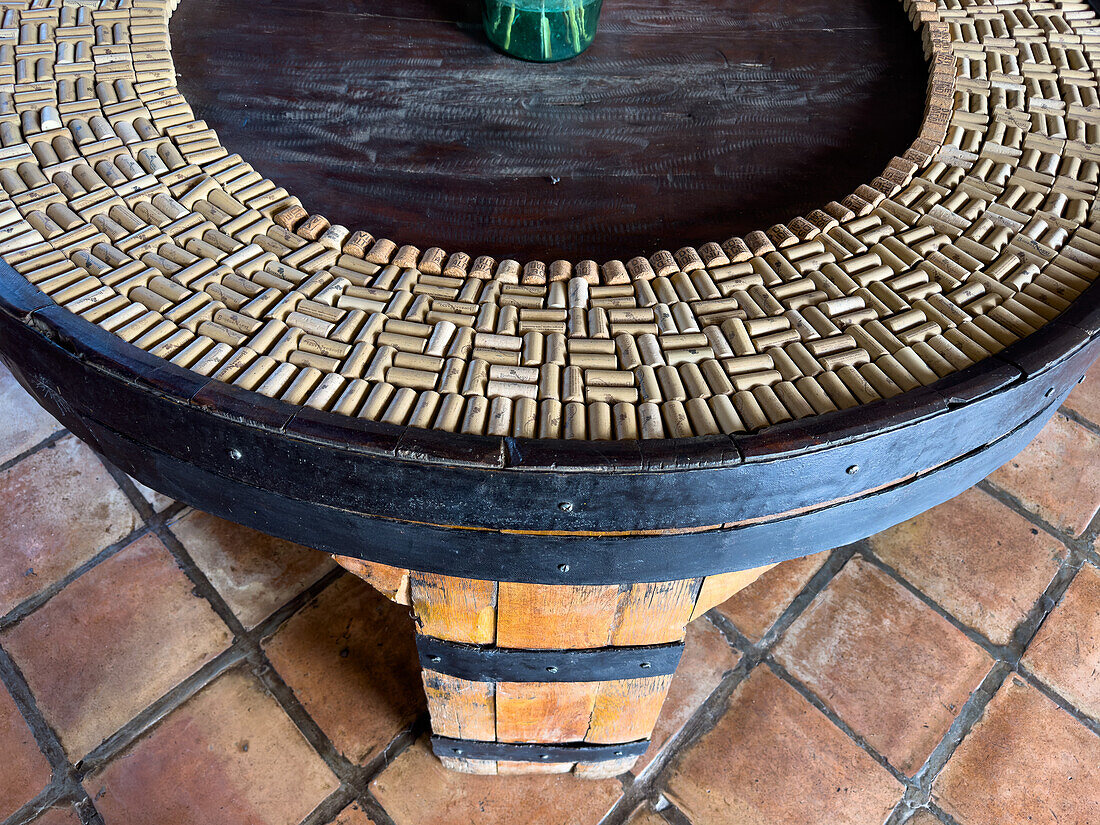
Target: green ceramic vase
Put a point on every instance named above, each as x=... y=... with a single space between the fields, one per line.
x=541 y=30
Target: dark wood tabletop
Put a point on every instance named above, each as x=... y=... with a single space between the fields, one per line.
x=687 y=121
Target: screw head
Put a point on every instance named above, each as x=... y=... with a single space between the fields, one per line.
x=236 y=454
x=644 y=665
x=566 y=506
x=544 y=756
x=618 y=753
x=435 y=659
x=457 y=750
x=1048 y=393
x=564 y=568
x=552 y=669
x=852 y=470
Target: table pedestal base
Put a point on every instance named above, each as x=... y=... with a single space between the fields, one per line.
x=533 y=678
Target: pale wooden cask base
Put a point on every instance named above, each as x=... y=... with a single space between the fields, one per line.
x=490 y=616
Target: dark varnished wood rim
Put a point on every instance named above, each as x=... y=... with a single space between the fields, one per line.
x=531 y=510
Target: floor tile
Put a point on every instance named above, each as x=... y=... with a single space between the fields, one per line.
x=416 y=789
x=923 y=817
x=228 y=755
x=755 y=609
x=113 y=641
x=254 y=573
x=707 y=658
x=26 y=771
x=353 y=814
x=892 y=668
x=1065 y=653
x=62 y=815
x=351 y=660
x=645 y=815
x=1057 y=476
x=1027 y=760
x=976 y=558
x=23 y=423
x=774 y=758
x=60 y=509
x=1085 y=398
x=158 y=501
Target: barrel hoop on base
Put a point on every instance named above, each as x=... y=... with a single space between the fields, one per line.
x=446 y=747
x=485 y=663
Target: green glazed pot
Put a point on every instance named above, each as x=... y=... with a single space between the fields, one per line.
x=541 y=30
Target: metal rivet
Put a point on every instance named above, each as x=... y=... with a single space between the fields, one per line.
x=645 y=665
x=618 y=753
x=564 y=568
x=236 y=454
x=457 y=750
x=551 y=669
x=566 y=507
x=1081 y=380
x=434 y=659
x=544 y=756
x=852 y=470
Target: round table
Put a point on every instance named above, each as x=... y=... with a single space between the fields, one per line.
x=557 y=464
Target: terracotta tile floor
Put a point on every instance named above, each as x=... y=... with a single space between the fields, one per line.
x=161 y=666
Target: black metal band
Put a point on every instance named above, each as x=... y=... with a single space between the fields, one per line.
x=481 y=663
x=444 y=746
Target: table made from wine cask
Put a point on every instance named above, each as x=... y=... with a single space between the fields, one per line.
x=556 y=463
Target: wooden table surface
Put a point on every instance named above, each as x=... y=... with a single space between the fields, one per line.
x=687 y=121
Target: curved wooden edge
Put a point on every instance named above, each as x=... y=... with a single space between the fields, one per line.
x=320 y=519
x=1013 y=365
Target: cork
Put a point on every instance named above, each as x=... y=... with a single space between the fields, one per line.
x=122 y=208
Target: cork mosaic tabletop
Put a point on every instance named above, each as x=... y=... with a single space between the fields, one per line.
x=958 y=279
x=127 y=211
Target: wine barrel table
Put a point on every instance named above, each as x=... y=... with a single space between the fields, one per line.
x=557 y=464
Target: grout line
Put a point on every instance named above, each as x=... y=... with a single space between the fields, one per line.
x=329 y=807
x=249 y=646
x=64 y=784
x=673 y=815
x=998 y=652
x=277 y=618
x=942 y=815
x=810 y=696
x=1077 y=418
x=818 y=582
x=48 y=797
x=356 y=779
x=1057 y=698
x=1023 y=632
x=646 y=786
x=969 y=715
x=1091 y=555
x=1013 y=503
x=44 y=444
x=148 y=717
x=33 y=603
x=374 y=810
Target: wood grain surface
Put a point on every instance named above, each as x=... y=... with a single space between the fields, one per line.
x=687 y=121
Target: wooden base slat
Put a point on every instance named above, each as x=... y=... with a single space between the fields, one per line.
x=459 y=708
x=555 y=616
x=496 y=617
x=391 y=582
x=458 y=610
x=655 y=612
x=627 y=709
x=545 y=711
